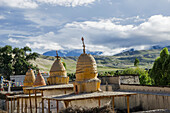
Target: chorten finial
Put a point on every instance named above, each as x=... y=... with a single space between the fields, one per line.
x=57 y=55
x=83 y=45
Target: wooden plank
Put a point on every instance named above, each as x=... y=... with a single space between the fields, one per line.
x=99 y=101
x=7 y=105
x=52 y=87
x=57 y=106
x=42 y=102
x=17 y=105
x=30 y=102
x=14 y=102
x=35 y=102
x=25 y=105
x=113 y=103
x=11 y=106
x=66 y=103
x=48 y=105
x=22 y=105
x=128 y=111
x=73 y=97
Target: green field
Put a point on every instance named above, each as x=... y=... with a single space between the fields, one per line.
x=104 y=63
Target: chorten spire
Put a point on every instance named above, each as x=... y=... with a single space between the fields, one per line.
x=84 y=51
x=57 y=55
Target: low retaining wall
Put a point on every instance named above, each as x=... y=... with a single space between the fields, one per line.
x=147 y=98
x=145 y=88
x=120 y=79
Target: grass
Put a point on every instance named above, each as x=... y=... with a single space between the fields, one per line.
x=104 y=63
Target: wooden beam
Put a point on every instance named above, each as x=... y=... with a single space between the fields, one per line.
x=11 y=105
x=99 y=101
x=113 y=103
x=35 y=101
x=25 y=105
x=30 y=101
x=48 y=105
x=22 y=105
x=66 y=103
x=42 y=102
x=7 y=105
x=57 y=106
x=14 y=102
x=17 y=105
x=128 y=111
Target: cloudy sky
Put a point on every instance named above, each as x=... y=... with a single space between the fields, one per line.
x=110 y=26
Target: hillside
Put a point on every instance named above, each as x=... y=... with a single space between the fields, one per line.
x=105 y=63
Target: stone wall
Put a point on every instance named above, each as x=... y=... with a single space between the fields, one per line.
x=147 y=98
x=152 y=89
x=121 y=79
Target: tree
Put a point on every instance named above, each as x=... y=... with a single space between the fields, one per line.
x=21 y=58
x=6 y=61
x=160 y=70
x=136 y=62
x=15 y=61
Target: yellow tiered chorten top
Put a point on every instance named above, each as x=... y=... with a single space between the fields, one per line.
x=58 y=74
x=58 y=68
x=86 y=74
x=39 y=80
x=86 y=67
x=29 y=79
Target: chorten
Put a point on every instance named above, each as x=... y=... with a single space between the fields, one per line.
x=39 y=80
x=29 y=79
x=58 y=74
x=86 y=74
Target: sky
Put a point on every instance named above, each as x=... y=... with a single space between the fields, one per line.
x=110 y=26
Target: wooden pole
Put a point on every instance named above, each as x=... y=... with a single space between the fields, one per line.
x=14 y=103
x=17 y=105
x=113 y=103
x=7 y=105
x=57 y=106
x=35 y=102
x=42 y=102
x=21 y=105
x=99 y=101
x=11 y=105
x=25 y=105
x=128 y=111
x=66 y=103
x=48 y=105
x=30 y=102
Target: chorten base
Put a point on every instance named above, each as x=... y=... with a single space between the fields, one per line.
x=53 y=80
x=86 y=86
x=27 y=91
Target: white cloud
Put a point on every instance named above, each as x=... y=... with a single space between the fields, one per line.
x=104 y=35
x=35 y=3
x=67 y=3
x=44 y=19
x=19 y=3
x=2 y=17
x=13 y=40
x=45 y=46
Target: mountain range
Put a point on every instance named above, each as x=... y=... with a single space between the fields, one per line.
x=77 y=52
x=74 y=52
